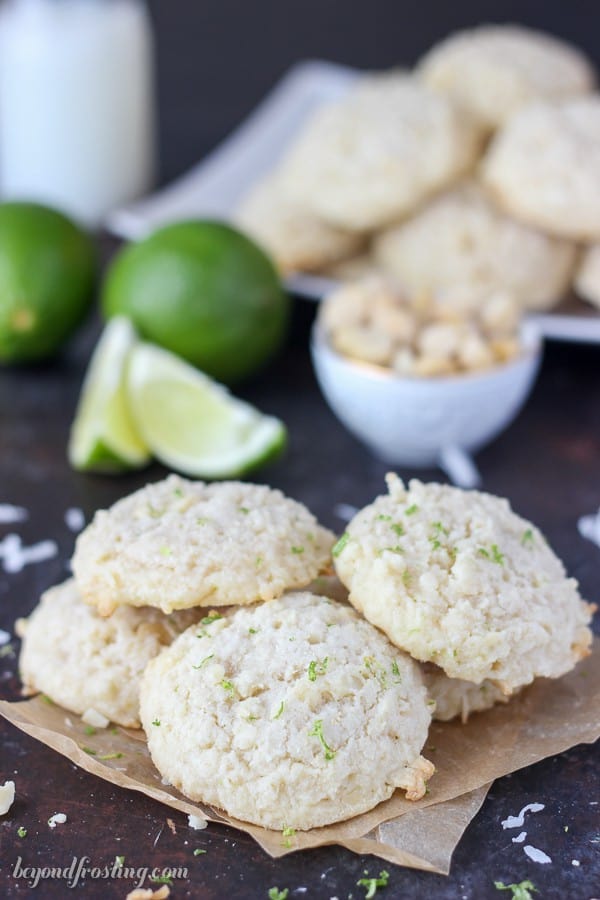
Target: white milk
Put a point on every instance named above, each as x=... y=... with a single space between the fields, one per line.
x=76 y=104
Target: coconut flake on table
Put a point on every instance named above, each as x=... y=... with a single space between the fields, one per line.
x=519 y=838
x=589 y=527
x=7 y=796
x=57 y=819
x=74 y=518
x=197 y=822
x=94 y=718
x=15 y=556
x=10 y=514
x=517 y=821
x=536 y=855
x=345 y=511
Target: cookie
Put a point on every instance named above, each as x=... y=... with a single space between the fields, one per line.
x=84 y=661
x=587 y=279
x=374 y=156
x=544 y=167
x=458 y=699
x=495 y=70
x=290 y=714
x=462 y=242
x=297 y=240
x=177 y=544
x=457 y=578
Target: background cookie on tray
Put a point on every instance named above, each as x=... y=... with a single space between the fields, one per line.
x=178 y=543
x=457 y=578
x=587 y=279
x=375 y=155
x=295 y=713
x=544 y=167
x=462 y=241
x=84 y=661
x=494 y=70
x=297 y=240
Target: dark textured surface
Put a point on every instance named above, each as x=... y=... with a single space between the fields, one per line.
x=216 y=60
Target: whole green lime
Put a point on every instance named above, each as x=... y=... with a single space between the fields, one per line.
x=204 y=291
x=47 y=268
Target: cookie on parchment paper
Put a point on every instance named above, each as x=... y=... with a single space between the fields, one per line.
x=495 y=70
x=457 y=578
x=295 y=713
x=178 y=543
x=84 y=661
x=544 y=167
x=461 y=241
x=377 y=154
x=457 y=699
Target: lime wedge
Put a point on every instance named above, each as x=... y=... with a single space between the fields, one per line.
x=191 y=423
x=103 y=436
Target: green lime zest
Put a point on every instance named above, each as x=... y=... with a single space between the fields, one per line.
x=317 y=667
x=520 y=891
x=339 y=546
x=317 y=731
x=372 y=884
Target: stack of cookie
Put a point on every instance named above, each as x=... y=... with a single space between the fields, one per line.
x=478 y=172
x=285 y=707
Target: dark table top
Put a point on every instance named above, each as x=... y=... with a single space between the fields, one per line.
x=216 y=60
x=547 y=464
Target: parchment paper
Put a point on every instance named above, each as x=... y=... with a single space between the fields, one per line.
x=546 y=718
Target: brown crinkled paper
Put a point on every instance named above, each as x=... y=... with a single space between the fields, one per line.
x=546 y=718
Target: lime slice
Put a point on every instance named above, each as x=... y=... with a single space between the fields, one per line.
x=193 y=424
x=104 y=437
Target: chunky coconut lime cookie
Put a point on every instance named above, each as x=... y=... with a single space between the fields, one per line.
x=86 y=662
x=477 y=249
x=544 y=167
x=374 y=156
x=297 y=240
x=177 y=544
x=587 y=280
x=455 y=698
x=495 y=70
x=295 y=713
x=457 y=578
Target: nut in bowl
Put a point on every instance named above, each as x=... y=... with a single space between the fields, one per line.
x=428 y=403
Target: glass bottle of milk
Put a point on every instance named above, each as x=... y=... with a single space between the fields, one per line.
x=76 y=104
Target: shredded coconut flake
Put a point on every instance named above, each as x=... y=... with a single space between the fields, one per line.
x=345 y=511
x=575 y=862
x=94 y=718
x=10 y=514
x=517 y=821
x=536 y=855
x=519 y=838
x=7 y=796
x=15 y=556
x=197 y=822
x=57 y=819
x=589 y=527
x=74 y=519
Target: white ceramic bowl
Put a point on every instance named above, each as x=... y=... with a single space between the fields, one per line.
x=423 y=422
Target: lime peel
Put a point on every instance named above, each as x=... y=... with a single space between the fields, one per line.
x=104 y=437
